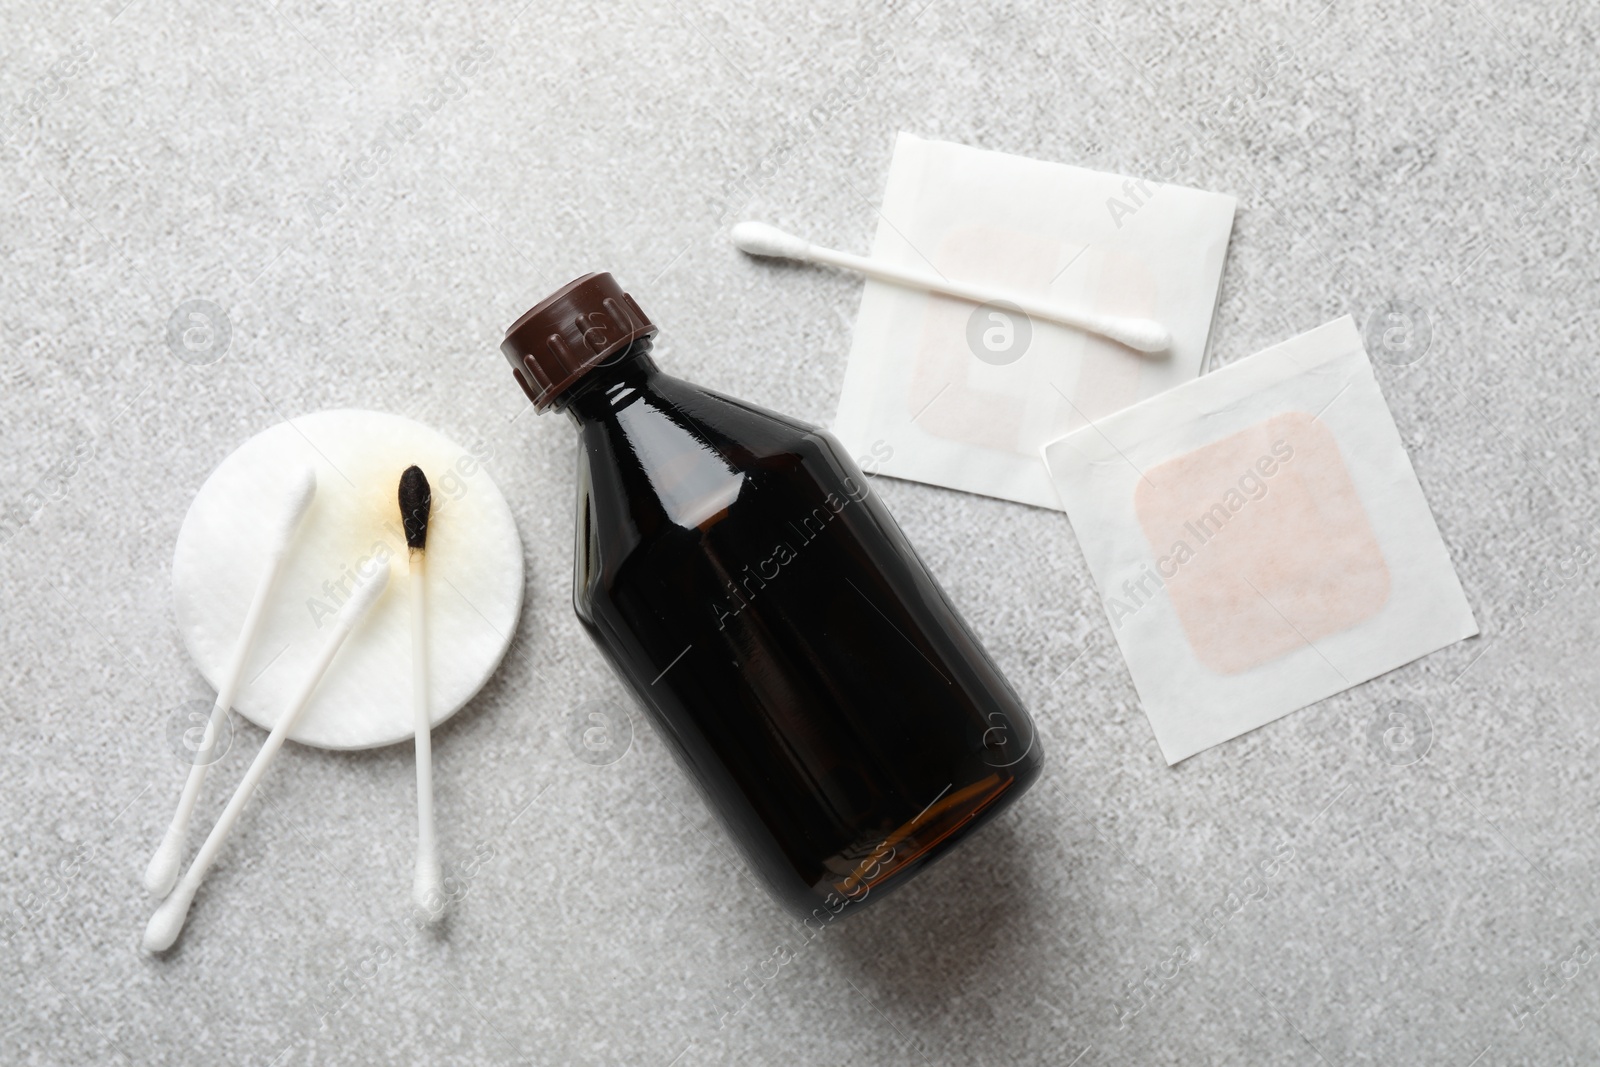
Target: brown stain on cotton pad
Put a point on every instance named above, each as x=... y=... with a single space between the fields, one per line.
x=1263 y=542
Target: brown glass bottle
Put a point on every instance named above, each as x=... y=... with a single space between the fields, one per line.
x=741 y=576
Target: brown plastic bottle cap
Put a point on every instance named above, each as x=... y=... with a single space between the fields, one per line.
x=569 y=333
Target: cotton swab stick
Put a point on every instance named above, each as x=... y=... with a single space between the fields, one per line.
x=416 y=504
x=163 y=869
x=760 y=239
x=167 y=922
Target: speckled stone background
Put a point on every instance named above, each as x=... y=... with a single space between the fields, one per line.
x=1405 y=873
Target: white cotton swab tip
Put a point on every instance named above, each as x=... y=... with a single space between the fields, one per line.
x=296 y=502
x=1142 y=335
x=364 y=595
x=162 y=931
x=760 y=239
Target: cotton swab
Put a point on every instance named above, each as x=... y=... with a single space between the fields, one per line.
x=167 y=922
x=416 y=504
x=163 y=869
x=760 y=239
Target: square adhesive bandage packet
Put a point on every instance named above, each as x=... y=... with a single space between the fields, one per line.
x=964 y=396
x=1259 y=539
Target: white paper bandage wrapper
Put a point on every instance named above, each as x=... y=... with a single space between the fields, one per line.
x=475 y=576
x=1259 y=539
x=943 y=391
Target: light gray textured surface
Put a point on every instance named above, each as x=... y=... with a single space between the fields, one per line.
x=1434 y=154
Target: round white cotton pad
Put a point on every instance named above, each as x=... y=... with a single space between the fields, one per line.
x=474 y=574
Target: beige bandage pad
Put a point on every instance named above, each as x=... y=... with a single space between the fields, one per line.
x=1262 y=542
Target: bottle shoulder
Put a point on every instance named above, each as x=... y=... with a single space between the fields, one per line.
x=680 y=467
x=676 y=430
x=740 y=424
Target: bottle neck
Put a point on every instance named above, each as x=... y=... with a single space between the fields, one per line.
x=608 y=388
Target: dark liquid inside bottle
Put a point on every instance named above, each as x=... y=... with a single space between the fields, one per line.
x=740 y=574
